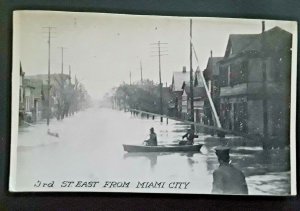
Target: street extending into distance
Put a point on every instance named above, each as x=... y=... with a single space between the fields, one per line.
x=89 y=148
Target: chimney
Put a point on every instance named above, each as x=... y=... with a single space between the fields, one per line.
x=211 y=55
x=262 y=26
x=184 y=69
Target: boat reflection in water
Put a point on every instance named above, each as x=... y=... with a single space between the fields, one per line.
x=153 y=157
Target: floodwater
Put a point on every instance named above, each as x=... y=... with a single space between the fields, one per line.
x=89 y=148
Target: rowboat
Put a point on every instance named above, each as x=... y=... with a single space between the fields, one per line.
x=162 y=148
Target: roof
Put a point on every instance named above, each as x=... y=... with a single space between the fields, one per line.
x=56 y=80
x=239 y=42
x=199 y=92
x=28 y=83
x=274 y=40
x=36 y=85
x=212 y=67
x=53 y=77
x=198 y=79
x=178 y=79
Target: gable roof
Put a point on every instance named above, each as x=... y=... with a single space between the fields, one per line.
x=36 y=86
x=53 y=77
x=212 y=67
x=198 y=79
x=238 y=42
x=274 y=39
x=178 y=79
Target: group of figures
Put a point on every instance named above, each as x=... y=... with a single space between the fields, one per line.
x=227 y=179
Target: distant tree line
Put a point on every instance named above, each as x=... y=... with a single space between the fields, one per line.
x=142 y=96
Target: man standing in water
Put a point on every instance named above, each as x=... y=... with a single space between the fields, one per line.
x=227 y=178
x=152 y=141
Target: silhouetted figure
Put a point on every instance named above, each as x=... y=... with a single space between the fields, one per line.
x=152 y=141
x=227 y=179
x=190 y=135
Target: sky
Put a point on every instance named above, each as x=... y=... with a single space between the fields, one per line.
x=102 y=49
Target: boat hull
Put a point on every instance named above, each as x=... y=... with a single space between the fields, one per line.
x=162 y=148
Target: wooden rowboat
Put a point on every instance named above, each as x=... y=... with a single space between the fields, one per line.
x=162 y=148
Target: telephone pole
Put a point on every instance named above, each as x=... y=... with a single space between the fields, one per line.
x=141 y=67
x=130 y=78
x=265 y=89
x=49 y=28
x=62 y=60
x=159 y=68
x=191 y=75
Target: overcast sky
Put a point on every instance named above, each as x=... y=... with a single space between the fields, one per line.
x=103 y=48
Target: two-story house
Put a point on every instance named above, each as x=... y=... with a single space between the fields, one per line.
x=254 y=81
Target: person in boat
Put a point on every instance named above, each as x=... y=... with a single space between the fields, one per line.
x=190 y=135
x=227 y=179
x=152 y=141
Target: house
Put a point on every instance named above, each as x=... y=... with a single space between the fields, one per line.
x=199 y=96
x=254 y=81
x=33 y=102
x=61 y=92
x=211 y=75
x=177 y=89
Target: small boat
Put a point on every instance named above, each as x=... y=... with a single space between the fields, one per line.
x=162 y=148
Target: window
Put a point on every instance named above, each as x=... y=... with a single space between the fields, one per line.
x=282 y=68
x=238 y=73
x=244 y=71
x=223 y=80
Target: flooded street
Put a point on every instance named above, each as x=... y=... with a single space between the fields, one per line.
x=89 y=148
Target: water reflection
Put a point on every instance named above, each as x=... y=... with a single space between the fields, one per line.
x=251 y=160
x=153 y=156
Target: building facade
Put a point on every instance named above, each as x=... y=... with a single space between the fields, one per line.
x=178 y=79
x=254 y=80
x=211 y=75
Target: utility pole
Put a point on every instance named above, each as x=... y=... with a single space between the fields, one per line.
x=207 y=91
x=191 y=75
x=265 y=88
x=160 y=85
x=49 y=28
x=130 y=78
x=62 y=60
x=62 y=80
x=141 y=71
x=159 y=69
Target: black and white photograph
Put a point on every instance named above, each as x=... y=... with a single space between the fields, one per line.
x=105 y=102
